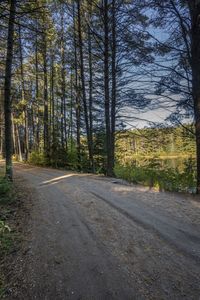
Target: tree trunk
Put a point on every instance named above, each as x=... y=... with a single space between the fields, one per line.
x=53 y=101
x=25 y=111
x=7 y=92
x=37 y=138
x=33 y=127
x=71 y=111
x=1 y=130
x=113 y=100
x=77 y=96
x=90 y=91
x=195 y=35
x=46 y=113
x=13 y=135
x=63 y=98
x=18 y=144
x=109 y=170
x=89 y=141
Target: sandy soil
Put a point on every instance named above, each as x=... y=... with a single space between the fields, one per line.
x=90 y=237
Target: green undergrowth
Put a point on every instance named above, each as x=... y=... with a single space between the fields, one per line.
x=153 y=172
x=166 y=179
x=40 y=159
x=37 y=159
x=7 y=235
x=61 y=160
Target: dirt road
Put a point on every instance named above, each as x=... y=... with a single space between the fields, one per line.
x=96 y=238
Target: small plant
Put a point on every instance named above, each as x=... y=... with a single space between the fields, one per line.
x=4 y=228
x=5 y=186
x=6 y=239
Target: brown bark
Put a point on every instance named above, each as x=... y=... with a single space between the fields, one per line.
x=109 y=170
x=77 y=97
x=7 y=91
x=25 y=111
x=63 y=98
x=14 y=136
x=18 y=144
x=46 y=112
x=71 y=111
x=52 y=100
x=113 y=99
x=90 y=87
x=89 y=141
x=37 y=132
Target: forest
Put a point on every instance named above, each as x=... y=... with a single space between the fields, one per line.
x=77 y=76
x=99 y=149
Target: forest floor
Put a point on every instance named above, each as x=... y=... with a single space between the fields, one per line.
x=91 y=237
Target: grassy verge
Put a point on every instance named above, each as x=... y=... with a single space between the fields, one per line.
x=8 y=236
x=161 y=179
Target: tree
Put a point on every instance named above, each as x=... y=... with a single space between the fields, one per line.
x=85 y=106
x=194 y=7
x=178 y=77
x=84 y=68
x=7 y=91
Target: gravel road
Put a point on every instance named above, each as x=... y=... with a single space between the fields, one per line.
x=91 y=237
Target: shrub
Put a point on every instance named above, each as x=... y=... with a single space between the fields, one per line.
x=163 y=179
x=37 y=158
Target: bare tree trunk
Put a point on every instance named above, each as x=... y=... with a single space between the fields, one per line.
x=77 y=96
x=71 y=112
x=113 y=99
x=37 y=138
x=52 y=100
x=63 y=98
x=26 y=135
x=90 y=89
x=83 y=88
x=13 y=135
x=109 y=170
x=1 y=123
x=46 y=113
x=1 y=127
x=1 y=138
x=50 y=106
x=33 y=126
x=7 y=92
x=18 y=144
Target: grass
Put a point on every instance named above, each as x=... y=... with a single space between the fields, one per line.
x=7 y=236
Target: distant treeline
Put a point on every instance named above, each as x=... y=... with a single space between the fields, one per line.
x=155 y=142
x=161 y=158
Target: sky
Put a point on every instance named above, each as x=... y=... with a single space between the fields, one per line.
x=159 y=114
x=156 y=115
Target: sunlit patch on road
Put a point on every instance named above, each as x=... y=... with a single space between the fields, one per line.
x=55 y=180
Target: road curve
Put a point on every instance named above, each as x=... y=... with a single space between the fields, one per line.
x=97 y=238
